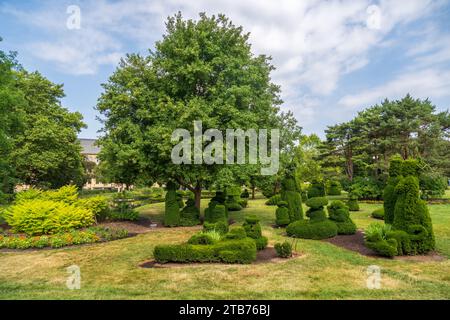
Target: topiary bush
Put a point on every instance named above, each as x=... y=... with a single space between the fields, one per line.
x=312 y=230
x=318 y=227
x=227 y=251
x=283 y=250
x=172 y=210
x=316 y=189
x=37 y=217
x=352 y=202
x=334 y=188
x=190 y=215
x=282 y=214
x=339 y=214
x=390 y=198
x=215 y=214
x=233 y=197
x=376 y=238
x=412 y=216
x=252 y=228
x=273 y=201
x=378 y=214
x=291 y=195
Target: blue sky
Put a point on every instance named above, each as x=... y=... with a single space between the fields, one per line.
x=333 y=58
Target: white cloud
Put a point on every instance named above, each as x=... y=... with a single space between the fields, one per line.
x=314 y=43
x=423 y=84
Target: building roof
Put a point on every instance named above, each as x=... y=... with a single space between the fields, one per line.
x=89 y=146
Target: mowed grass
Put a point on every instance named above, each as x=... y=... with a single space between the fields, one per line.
x=322 y=271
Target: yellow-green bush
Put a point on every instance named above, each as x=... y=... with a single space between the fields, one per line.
x=35 y=217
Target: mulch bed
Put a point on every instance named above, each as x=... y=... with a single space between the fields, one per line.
x=355 y=243
x=267 y=255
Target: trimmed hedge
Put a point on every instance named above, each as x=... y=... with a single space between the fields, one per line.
x=228 y=251
x=312 y=230
x=216 y=213
x=252 y=228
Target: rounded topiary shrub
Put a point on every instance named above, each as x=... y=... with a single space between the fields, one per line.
x=312 y=230
x=215 y=214
x=317 y=203
x=378 y=214
x=352 y=202
x=339 y=214
x=233 y=196
x=190 y=215
x=252 y=228
x=316 y=189
x=282 y=214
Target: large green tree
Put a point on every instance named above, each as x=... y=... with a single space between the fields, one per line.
x=200 y=70
x=46 y=151
x=11 y=105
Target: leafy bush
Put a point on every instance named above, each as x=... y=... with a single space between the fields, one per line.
x=334 y=188
x=35 y=217
x=245 y=194
x=377 y=231
x=127 y=214
x=312 y=230
x=366 y=188
x=273 y=201
x=172 y=207
x=432 y=185
x=284 y=250
x=261 y=243
x=236 y=233
x=221 y=227
x=378 y=214
x=282 y=214
x=97 y=205
x=243 y=203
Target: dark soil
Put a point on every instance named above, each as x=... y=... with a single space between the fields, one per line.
x=267 y=255
x=354 y=242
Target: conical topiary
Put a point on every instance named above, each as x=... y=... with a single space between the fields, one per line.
x=318 y=226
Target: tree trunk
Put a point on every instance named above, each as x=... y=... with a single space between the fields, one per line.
x=198 y=196
x=253 y=192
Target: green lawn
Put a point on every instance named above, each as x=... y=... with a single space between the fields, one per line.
x=323 y=271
